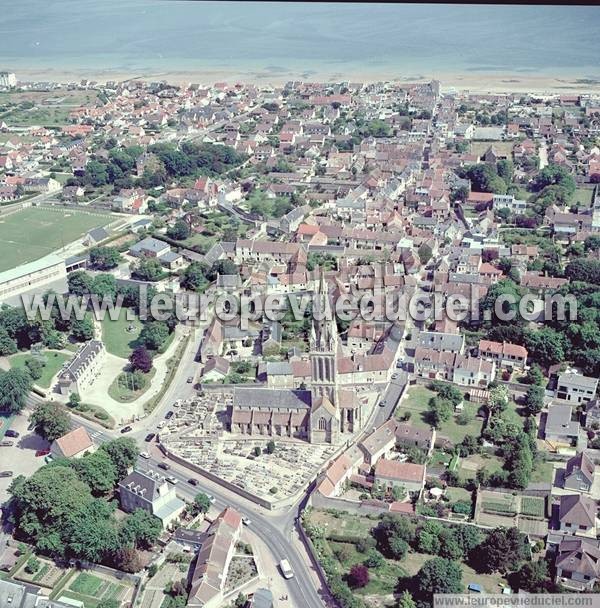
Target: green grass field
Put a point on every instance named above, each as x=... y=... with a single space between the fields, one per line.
x=32 y=233
x=416 y=402
x=116 y=337
x=54 y=361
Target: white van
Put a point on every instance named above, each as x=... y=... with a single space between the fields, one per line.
x=286 y=569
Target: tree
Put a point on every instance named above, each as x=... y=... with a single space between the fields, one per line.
x=141 y=529
x=80 y=282
x=141 y=359
x=501 y=551
x=97 y=471
x=123 y=453
x=83 y=329
x=397 y=548
x=534 y=375
x=154 y=334
x=179 y=231
x=15 y=384
x=555 y=175
x=498 y=400
x=584 y=269
x=8 y=345
x=96 y=173
x=440 y=410
x=406 y=601
x=545 y=346
x=51 y=420
x=91 y=531
x=424 y=252
x=44 y=505
x=374 y=559
x=358 y=576
x=534 y=400
x=104 y=258
x=439 y=575
x=201 y=504
x=392 y=529
x=501 y=292
x=194 y=277
x=148 y=269
x=127 y=559
x=34 y=367
x=468 y=446
x=447 y=391
x=270 y=447
x=534 y=577
x=468 y=537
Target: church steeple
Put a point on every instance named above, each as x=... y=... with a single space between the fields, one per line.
x=324 y=335
x=323 y=345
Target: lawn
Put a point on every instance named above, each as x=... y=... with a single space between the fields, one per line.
x=543 y=472
x=86 y=584
x=54 y=361
x=491 y=583
x=120 y=336
x=416 y=402
x=456 y=432
x=344 y=525
x=34 y=232
x=126 y=395
x=382 y=580
x=582 y=196
x=468 y=466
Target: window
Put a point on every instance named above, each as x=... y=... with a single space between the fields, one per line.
x=322 y=424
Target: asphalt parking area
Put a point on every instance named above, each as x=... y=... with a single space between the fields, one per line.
x=20 y=457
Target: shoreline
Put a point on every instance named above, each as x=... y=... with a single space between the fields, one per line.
x=473 y=82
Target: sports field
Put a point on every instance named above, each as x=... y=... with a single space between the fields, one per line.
x=32 y=233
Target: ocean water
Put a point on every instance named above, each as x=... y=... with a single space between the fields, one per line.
x=275 y=38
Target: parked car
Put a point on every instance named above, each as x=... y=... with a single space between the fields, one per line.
x=150 y=437
x=190 y=379
x=286 y=569
x=394 y=376
x=169 y=415
x=126 y=429
x=144 y=455
x=42 y=453
x=246 y=521
x=164 y=465
x=382 y=403
x=11 y=433
x=6 y=473
x=193 y=482
x=172 y=480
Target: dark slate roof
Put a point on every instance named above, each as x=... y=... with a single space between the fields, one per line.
x=248 y=397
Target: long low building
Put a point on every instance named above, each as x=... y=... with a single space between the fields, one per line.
x=39 y=276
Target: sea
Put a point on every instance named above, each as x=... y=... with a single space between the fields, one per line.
x=280 y=38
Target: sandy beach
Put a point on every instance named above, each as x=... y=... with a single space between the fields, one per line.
x=474 y=82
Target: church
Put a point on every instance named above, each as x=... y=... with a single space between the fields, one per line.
x=324 y=412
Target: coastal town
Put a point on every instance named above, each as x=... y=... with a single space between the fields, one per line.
x=292 y=458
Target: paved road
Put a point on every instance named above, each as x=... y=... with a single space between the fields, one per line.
x=275 y=529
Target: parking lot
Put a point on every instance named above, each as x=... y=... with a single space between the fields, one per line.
x=20 y=458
